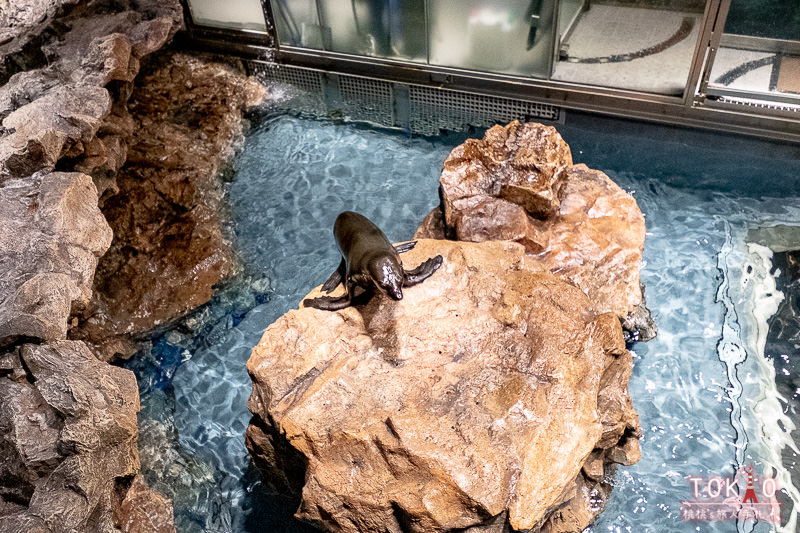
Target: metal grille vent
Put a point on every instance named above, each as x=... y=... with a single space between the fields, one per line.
x=433 y=109
x=302 y=78
x=367 y=100
x=424 y=110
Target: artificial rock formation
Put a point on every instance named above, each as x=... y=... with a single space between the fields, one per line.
x=68 y=444
x=52 y=235
x=518 y=183
x=68 y=455
x=58 y=110
x=491 y=396
x=164 y=203
x=70 y=67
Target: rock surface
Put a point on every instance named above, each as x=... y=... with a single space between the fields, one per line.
x=518 y=183
x=68 y=451
x=72 y=63
x=490 y=394
x=67 y=439
x=51 y=235
x=144 y=511
x=168 y=237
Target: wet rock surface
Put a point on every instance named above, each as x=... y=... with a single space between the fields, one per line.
x=144 y=510
x=68 y=440
x=168 y=237
x=783 y=339
x=519 y=183
x=491 y=396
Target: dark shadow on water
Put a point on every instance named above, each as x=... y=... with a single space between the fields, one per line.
x=268 y=511
x=684 y=157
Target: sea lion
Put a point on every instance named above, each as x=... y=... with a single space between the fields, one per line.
x=369 y=261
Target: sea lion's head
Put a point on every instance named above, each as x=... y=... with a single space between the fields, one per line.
x=387 y=274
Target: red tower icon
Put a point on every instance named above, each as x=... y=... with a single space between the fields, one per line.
x=749 y=493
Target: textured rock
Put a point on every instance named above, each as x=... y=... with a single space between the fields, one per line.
x=62 y=58
x=144 y=511
x=70 y=110
x=51 y=234
x=168 y=250
x=24 y=28
x=518 y=183
x=523 y=164
x=109 y=59
x=67 y=422
x=68 y=440
x=53 y=125
x=476 y=400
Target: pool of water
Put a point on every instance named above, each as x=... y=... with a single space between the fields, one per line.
x=705 y=392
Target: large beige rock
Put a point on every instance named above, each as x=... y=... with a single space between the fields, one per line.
x=51 y=235
x=519 y=163
x=481 y=394
x=518 y=183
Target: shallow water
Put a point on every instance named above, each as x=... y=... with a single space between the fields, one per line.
x=702 y=388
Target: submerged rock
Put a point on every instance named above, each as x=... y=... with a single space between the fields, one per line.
x=144 y=510
x=491 y=394
x=518 y=183
x=68 y=443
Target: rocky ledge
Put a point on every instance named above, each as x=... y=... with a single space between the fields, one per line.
x=164 y=204
x=519 y=183
x=492 y=396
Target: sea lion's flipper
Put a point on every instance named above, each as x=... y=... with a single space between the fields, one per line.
x=406 y=246
x=328 y=303
x=423 y=272
x=335 y=279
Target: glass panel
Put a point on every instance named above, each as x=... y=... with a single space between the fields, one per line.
x=760 y=49
x=508 y=36
x=233 y=14
x=642 y=45
x=773 y=19
x=390 y=28
x=379 y=28
x=297 y=24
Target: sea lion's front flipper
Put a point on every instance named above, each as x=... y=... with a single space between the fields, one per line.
x=406 y=246
x=335 y=279
x=423 y=272
x=328 y=303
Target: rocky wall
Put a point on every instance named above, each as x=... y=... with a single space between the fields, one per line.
x=82 y=135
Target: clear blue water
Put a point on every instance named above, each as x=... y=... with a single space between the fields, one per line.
x=702 y=388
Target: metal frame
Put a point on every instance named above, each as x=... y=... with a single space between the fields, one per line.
x=761 y=44
x=697 y=107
